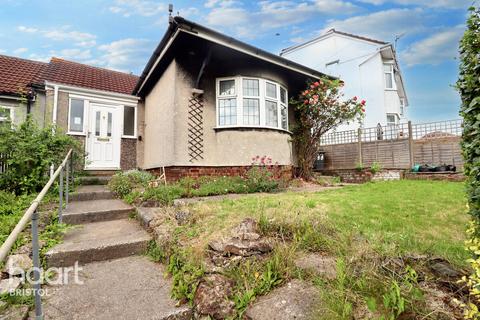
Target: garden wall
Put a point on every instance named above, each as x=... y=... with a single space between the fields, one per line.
x=363 y=176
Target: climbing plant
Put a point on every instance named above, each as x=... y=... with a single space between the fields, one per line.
x=319 y=109
x=468 y=85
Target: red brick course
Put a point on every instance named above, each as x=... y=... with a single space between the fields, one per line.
x=175 y=173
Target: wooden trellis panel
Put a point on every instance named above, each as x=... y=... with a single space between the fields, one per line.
x=195 y=128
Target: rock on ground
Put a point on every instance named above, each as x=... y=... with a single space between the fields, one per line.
x=18 y=264
x=212 y=297
x=19 y=312
x=9 y=284
x=325 y=266
x=296 y=300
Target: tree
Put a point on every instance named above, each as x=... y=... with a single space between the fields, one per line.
x=319 y=109
x=468 y=85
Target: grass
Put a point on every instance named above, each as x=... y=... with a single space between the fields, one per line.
x=359 y=225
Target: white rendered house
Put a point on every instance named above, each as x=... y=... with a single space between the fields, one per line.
x=369 y=68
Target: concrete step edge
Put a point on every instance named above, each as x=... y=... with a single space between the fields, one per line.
x=96 y=216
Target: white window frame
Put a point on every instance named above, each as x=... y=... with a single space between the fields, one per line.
x=135 y=112
x=239 y=96
x=12 y=114
x=391 y=74
x=402 y=107
x=392 y=123
x=85 y=107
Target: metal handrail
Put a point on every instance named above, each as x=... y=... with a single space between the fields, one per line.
x=31 y=214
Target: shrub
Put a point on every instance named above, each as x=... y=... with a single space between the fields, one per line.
x=31 y=151
x=164 y=194
x=11 y=209
x=376 y=167
x=260 y=179
x=219 y=185
x=123 y=183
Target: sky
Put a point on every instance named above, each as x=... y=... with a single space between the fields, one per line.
x=122 y=34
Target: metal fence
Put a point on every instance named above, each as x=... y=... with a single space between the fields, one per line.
x=449 y=128
x=395 y=146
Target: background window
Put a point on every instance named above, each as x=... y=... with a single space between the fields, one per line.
x=250 y=87
x=227 y=87
x=271 y=114
x=271 y=90
x=128 y=121
x=76 y=115
x=391 y=119
x=227 y=112
x=284 y=115
x=388 y=69
x=251 y=111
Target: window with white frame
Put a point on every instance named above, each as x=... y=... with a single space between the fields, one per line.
x=129 y=121
x=402 y=107
x=391 y=119
x=256 y=102
x=389 y=76
x=76 y=116
x=6 y=114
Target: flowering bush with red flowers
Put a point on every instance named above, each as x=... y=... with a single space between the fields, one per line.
x=262 y=176
x=319 y=109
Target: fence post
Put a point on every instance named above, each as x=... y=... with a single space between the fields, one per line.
x=410 y=144
x=67 y=172
x=36 y=268
x=360 y=156
x=60 y=194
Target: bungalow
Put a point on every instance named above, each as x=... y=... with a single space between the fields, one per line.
x=205 y=104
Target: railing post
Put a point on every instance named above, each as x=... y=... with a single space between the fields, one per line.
x=410 y=145
x=360 y=156
x=60 y=193
x=72 y=167
x=36 y=268
x=67 y=172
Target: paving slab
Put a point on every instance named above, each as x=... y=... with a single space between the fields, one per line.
x=99 y=241
x=128 y=288
x=91 y=192
x=297 y=300
x=79 y=212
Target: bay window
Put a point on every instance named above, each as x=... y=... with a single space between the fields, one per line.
x=251 y=102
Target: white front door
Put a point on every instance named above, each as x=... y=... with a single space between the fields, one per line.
x=103 y=138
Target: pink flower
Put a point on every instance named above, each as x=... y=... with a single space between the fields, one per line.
x=305 y=102
x=316 y=84
x=315 y=97
x=355 y=98
x=312 y=86
x=363 y=102
x=363 y=110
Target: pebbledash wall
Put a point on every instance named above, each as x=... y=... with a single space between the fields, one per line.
x=164 y=127
x=128 y=147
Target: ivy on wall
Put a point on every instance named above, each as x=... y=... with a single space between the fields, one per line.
x=468 y=85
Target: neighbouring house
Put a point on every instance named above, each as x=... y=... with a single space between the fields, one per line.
x=93 y=104
x=205 y=104
x=369 y=68
x=211 y=103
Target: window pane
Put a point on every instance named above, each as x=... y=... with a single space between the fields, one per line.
x=250 y=87
x=284 y=115
x=391 y=119
x=227 y=109
x=97 y=123
x=271 y=90
x=388 y=81
x=129 y=121
x=283 y=95
x=271 y=114
x=4 y=113
x=251 y=111
x=76 y=115
x=227 y=87
x=109 y=125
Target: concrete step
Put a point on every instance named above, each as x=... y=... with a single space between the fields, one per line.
x=79 y=212
x=99 y=241
x=99 y=172
x=122 y=289
x=92 y=192
x=93 y=180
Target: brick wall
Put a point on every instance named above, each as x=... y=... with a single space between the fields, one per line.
x=128 y=154
x=177 y=172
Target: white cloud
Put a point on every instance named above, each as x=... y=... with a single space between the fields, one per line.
x=3 y=50
x=74 y=54
x=27 y=29
x=144 y=8
x=20 y=50
x=233 y=17
x=435 y=49
x=382 y=25
x=445 y=4
x=81 y=39
x=124 y=55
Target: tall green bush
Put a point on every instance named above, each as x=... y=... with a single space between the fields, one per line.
x=31 y=151
x=468 y=85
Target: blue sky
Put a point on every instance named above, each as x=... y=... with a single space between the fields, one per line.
x=121 y=34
